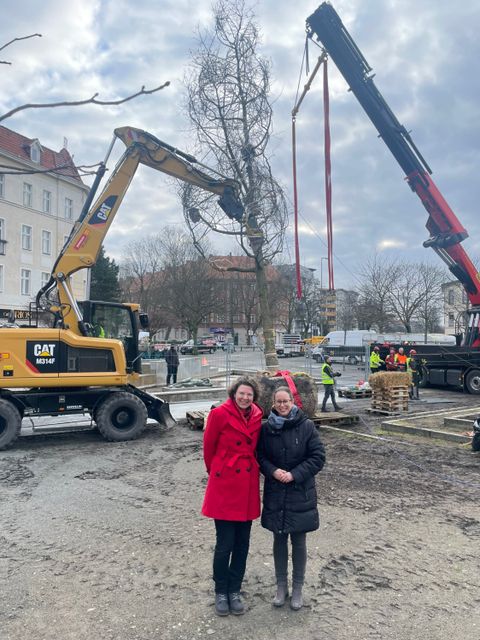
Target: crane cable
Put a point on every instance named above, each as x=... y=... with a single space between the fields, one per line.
x=322 y=59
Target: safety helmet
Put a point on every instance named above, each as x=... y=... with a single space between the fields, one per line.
x=413 y=352
x=376 y=348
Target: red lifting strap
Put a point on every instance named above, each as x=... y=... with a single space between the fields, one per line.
x=291 y=385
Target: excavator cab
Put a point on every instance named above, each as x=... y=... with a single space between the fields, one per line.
x=119 y=321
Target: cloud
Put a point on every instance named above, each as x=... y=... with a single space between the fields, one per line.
x=423 y=55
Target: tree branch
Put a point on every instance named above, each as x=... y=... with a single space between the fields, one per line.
x=33 y=35
x=77 y=103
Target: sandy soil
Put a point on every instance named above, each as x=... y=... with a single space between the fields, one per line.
x=104 y=540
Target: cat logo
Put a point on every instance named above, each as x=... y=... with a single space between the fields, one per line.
x=44 y=350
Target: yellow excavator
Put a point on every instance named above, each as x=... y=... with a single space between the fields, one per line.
x=88 y=361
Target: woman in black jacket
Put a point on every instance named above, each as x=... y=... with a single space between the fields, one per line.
x=290 y=455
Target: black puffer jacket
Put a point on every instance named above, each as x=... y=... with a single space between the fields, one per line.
x=290 y=507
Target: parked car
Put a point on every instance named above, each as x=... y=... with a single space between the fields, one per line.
x=204 y=346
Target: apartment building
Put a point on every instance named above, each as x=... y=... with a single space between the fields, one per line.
x=41 y=195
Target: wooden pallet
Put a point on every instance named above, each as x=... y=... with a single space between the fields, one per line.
x=196 y=419
x=355 y=393
x=334 y=418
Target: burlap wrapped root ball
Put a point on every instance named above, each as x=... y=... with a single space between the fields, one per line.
x=385 y=380
x=306 y=387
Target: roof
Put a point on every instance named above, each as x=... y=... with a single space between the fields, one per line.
x=17 y=145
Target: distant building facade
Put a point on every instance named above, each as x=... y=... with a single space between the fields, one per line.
x=455 y=304
x=41 y=196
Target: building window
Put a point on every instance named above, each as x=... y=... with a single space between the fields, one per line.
x=47 y=201
x=27 y=194
x=26 y=237
x=2 y=186
x=451 y=296
x=1 y=278
x=46 y=242
x=2 y=229
x=35 y=152
x=26 y=276
x=451 y=319
x=253 y=318
x=68 y=209
x=45 y=278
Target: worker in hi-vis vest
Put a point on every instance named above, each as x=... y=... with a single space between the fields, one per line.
x=375 y=360
x=328 y=381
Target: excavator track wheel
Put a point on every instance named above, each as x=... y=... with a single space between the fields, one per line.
x=10 y=423
x=121 y=416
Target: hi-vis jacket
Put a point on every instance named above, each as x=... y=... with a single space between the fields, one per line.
x=375 y=360
x=229 y=443
x=327 y=374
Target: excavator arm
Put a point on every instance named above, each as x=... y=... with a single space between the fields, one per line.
x=446 y=231
x=84 y=243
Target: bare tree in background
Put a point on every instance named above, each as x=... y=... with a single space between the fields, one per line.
x=190 y=283
x=431 y=279
x=142 y=278
x=228 y=105
x=377 y=276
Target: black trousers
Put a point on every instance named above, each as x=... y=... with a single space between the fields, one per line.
x=171 y=372
x=230 y=556
x=299 y=557
x=329 y=393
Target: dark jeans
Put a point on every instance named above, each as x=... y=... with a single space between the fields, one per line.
x=299 y=557
x=329 y=392
x=230 y=556
x=171 y=372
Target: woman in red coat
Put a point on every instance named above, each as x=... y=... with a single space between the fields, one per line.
x=232 y=497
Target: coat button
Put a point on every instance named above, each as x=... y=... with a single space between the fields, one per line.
x=217 y=474
x=249 y=468
x=249 y=441
x=237 y=470
x=238 y=443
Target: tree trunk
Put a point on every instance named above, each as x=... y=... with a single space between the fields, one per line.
x=271 y=359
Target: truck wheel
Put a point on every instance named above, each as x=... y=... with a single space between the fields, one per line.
x=472 y=381
x=423 y=382
x=121 y=416
x=10 y=423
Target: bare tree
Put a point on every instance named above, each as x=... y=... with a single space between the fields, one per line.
x=228 y=105
x=431 y=279
x=142 y=278
x=190 y=283
x=378 y=276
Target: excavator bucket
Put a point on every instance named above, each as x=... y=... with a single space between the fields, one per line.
x=162 y=415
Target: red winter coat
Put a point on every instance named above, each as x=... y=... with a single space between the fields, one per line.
x=229 y=443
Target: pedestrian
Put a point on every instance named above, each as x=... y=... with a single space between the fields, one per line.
x=328 y=381
x=172 y=360
x=414 y=371
x=375 y=360
x=232 y=496
x=390 y=362
x=401 y=360
x=290 y=454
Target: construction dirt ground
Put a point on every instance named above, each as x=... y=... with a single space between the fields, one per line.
x=102 y=540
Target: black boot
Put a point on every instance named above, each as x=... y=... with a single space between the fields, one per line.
x=324 y=410
x=221 y=604
x=237 y=607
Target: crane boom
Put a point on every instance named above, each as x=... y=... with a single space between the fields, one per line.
x=446 y=231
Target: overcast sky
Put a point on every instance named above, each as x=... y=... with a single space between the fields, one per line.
x=424 y=54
